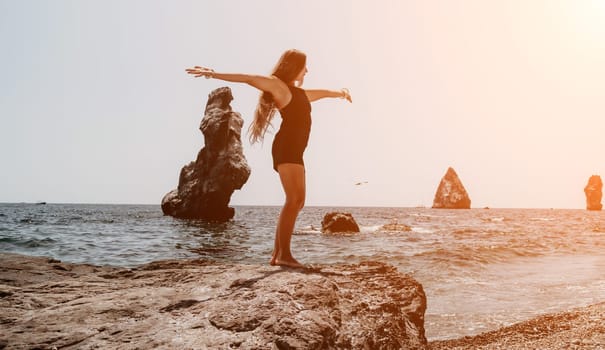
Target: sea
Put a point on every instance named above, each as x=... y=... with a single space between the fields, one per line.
x=481 y=269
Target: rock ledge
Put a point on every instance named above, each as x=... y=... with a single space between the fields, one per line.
x=197 y=304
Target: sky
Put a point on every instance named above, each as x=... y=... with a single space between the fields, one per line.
x=96 y=107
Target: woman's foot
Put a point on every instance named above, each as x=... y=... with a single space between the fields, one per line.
x=273 y=258
x=291 y=262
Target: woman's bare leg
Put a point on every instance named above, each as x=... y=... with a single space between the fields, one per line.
x=292 y=177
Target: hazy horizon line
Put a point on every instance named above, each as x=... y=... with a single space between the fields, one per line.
x=306 y=206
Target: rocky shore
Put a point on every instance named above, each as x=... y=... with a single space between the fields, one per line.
x=197 y=304
x=582 y=328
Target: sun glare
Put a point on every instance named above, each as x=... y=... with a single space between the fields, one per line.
x=589 y=19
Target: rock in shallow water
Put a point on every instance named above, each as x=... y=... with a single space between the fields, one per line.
x=206 y=185
x=336 y=222
x=195 y=304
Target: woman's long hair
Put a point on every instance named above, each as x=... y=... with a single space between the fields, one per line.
x=290 y=64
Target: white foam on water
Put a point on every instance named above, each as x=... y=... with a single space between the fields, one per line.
x=369 y=229
x=420 y=229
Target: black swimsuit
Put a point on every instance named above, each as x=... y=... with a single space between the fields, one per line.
x=291 y=139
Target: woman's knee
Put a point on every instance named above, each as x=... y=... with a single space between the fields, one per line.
x=296 y=202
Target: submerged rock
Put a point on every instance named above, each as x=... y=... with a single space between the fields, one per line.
x=338 y=222
x=451 y=194
x=594 y=193
x=396 y=227
x=206 y=184
x=197 y=304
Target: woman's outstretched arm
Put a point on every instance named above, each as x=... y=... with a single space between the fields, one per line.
x=270 y=84
x=314 y=95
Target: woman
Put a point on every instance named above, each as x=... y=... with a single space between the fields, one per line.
x=281 y=91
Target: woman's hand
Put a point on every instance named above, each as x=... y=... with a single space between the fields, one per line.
x=346 y=94
x=198 y=71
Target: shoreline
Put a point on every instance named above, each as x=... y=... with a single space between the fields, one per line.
x=578 y=328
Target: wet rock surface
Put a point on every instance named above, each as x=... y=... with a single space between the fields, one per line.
x=197 y=304
x=206 y=184
x=336 y=222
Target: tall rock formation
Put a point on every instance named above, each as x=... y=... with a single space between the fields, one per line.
x=451 y=194
x=594 y=193
x=206 y=184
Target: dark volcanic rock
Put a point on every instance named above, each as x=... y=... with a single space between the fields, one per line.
x=206 y=185
x=338 y=222
x=196 y=304
x=451 y=194
x=594 y=193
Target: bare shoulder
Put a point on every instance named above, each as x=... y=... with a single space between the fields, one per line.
x=278 y=83
x=281 y=93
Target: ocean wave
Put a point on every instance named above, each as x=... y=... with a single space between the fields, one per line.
x=79 y=220
x=497 y=219
x=310 y=230
x=27 y=242
x=395 y=227
x=468 y=255
x=36 y=243
x=422 y=229
x=466 y=231
x=8 y=240
x=541 y=219
x=370 y=229
x=32 y=221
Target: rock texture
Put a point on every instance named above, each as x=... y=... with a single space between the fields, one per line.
x=335 y=222
x=195 y=304
x=582 y=328
x=451 y=194
x=594 y=193
x=206 y=185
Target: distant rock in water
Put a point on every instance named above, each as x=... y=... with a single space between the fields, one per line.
x=594 y=193
x=451 y=194
x=338 y=222
x=206 y=185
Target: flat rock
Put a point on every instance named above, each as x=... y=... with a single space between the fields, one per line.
x=197 y=304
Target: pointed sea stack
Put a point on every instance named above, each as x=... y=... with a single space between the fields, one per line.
x=451 y=194
x=206 y=184
x=594 y=193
